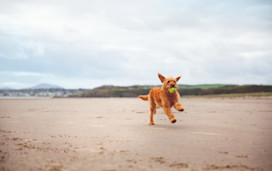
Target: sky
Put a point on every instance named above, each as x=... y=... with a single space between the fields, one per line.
x=89 y=43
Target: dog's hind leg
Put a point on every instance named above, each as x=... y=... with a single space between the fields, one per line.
x=152 y=111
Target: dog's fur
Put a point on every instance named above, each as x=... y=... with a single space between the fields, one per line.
x=161 y=97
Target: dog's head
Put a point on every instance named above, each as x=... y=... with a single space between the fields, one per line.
x=169 y=82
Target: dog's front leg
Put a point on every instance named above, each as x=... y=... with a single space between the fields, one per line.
x=178 y=106
x=169 y=113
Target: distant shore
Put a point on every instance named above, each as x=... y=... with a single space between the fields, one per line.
x=136 y=90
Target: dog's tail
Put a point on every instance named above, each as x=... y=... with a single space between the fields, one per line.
x=143 y=97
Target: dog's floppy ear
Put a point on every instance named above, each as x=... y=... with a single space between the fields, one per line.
x=177 y=78
x=162 y=78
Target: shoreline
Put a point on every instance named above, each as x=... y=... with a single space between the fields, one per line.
x=233 y=95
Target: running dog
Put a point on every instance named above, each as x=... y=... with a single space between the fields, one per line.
x=165 y=97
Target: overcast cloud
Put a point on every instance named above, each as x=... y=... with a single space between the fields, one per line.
x=84 y=44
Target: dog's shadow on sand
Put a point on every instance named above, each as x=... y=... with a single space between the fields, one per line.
x=166 y=126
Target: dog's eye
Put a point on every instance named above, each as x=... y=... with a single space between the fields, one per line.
x=168 y=81
x=174 y=81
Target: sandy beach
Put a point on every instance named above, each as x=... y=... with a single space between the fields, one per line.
x=113 y=134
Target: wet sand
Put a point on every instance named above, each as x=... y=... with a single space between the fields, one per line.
x=113 y=134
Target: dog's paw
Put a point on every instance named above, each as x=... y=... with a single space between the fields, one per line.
x=151 y=123
x=173 y=120
x=181 y=109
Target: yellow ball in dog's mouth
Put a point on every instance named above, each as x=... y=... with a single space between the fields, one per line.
x=172 y=90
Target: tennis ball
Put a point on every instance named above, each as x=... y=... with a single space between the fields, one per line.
x=172 y=90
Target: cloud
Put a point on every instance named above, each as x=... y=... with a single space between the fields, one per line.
x=90 y=43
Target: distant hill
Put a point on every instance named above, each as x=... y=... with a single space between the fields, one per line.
x=5 y=88
x=46 y=86
x=204 y=89
x=202 y=86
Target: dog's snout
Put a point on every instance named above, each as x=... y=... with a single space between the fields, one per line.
x=173 y=85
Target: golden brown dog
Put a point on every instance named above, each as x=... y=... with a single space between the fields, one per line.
x=163 y=97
